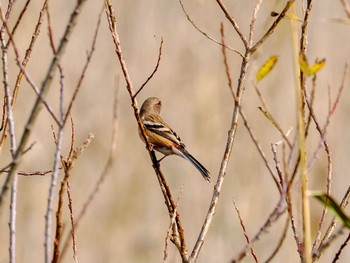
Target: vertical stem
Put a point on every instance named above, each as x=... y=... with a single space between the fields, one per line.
x=48 y=216
x=301 y=140
x=13 y=214
x=224 y=162
x=11 y=128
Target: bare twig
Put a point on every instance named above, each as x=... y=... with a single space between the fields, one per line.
x=252 y=23
x=3 y=117
x=227 y=67
x=73 y=233
x=24 y=9
x=271 y=219
x=269 y=116
x=37 y=106
x=204 y=33
x=278 y=168
x=171 y=225
x=58 y=53
x=345 y=243
x=330 y=114
x=13 y=144
x=105 y=172
x=154 y=71
x=23 y=173
x=245 y=234
x=29 y=49
x=272 y=27
x=25 y=60
x=246 y=124
x=48 y=216
x=87 y=63
x=162 y=182
x=67 y=164
x=229 y=144
x=327 y=244
x=233 y=23
x=280 y=243
x=292 y=221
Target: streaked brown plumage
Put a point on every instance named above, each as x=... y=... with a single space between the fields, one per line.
x=162 y=137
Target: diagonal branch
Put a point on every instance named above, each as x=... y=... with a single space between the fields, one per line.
x=38 y=103
x=154 y=71
x=233 y=23
x=170 y=203
x=205 y=34
x=272 y=27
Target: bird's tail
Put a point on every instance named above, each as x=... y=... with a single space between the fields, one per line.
x=186 y=155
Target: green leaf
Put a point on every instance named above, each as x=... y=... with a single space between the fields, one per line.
x=333 y=206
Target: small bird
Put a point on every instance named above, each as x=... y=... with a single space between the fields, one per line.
x=162 y=137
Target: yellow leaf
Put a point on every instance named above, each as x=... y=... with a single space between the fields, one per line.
x=309 y=71
x=266 y=68
x=316 y=67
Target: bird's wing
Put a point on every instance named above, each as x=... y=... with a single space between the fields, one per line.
x=156 y=124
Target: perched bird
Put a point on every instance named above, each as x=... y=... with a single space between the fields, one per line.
x=162 y=137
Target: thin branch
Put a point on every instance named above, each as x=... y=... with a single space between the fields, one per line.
x=269 y=116
x=19 y=19
x=162 y=182
x=23 y=173
x=330 y=114
x=29 y=49
x=224 y=162
x=171 y=225
x=292 y=221
x=154 y=71
x=244 y=118
x=68 y=165
x=278 y=169
x=37 y=106
x=87 y=63
x=272 y=27
x=233 y=23
x=25 y=61
x=252 y=23
x=271 y=219
x=245 y=234
x=280 y=242
x=3 y=118
x=345 y=243
x=106 y=170
x=329 y=173
x=48 y=216
x=13 y=144
x=204 y=33
x=327 y=244
x=73 y=233
x=30 y=81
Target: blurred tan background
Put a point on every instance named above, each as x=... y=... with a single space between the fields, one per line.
x=127 y=221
